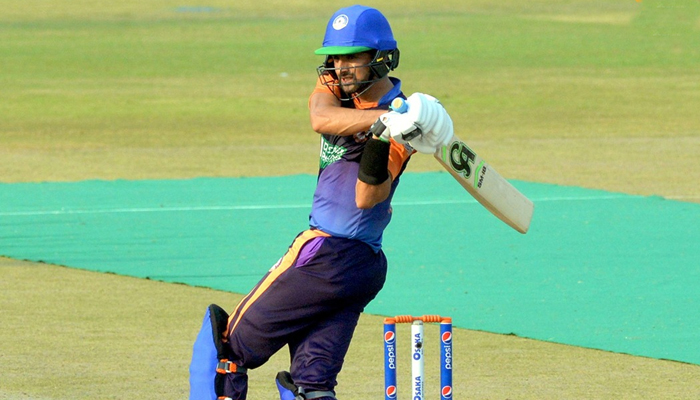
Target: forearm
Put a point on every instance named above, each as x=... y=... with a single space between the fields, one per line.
x=373 y=179
x=328 y=117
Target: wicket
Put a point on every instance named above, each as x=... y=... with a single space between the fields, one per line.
x=417 y=360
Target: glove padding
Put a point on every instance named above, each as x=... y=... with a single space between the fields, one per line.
x=399 y=127
x=433 y=120
x=426 y=113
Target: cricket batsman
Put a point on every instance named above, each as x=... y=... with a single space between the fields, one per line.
x=311 y=299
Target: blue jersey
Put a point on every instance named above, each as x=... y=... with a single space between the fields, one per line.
x=334 y=210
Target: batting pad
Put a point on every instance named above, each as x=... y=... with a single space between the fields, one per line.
x=597 y=269
x=205 y=356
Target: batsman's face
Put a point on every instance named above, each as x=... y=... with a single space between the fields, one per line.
x=352 y=70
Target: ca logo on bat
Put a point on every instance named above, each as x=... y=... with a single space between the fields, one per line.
x=462 y=159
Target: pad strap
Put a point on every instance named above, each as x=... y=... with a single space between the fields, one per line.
x=227 y=367
x=317 y=394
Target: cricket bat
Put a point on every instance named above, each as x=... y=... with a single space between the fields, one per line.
x=486 y=185
x=480 y=179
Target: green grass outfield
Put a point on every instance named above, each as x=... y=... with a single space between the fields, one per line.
x=593 y=93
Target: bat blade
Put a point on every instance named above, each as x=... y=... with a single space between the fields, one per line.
x=486 y=185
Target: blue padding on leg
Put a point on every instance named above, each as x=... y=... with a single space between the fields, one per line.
x=285 y=393
x=203 y=365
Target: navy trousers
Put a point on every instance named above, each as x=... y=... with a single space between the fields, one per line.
x=310 y=300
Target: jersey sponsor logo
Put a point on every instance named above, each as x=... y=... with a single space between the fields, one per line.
x=330 y=153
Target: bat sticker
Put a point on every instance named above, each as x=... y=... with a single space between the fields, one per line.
x=480 y=172
x=461 y=159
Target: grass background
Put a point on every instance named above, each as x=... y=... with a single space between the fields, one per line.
x=593 y=93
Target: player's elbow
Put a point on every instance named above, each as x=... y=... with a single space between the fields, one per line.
x=368 y=196
x=364 y=203
x=321 y=119
x=322 y=109
x=318 y=123
x=364 y=197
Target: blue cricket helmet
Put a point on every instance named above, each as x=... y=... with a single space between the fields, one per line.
x=358 y=29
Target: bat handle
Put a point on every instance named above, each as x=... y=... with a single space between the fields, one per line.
x=400 y=106
x=378 y=128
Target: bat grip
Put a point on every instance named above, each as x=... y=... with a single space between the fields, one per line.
x=377 y=128
x=400 y=106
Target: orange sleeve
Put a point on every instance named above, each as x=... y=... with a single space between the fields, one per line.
x=398 y=154
x=321 y=87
